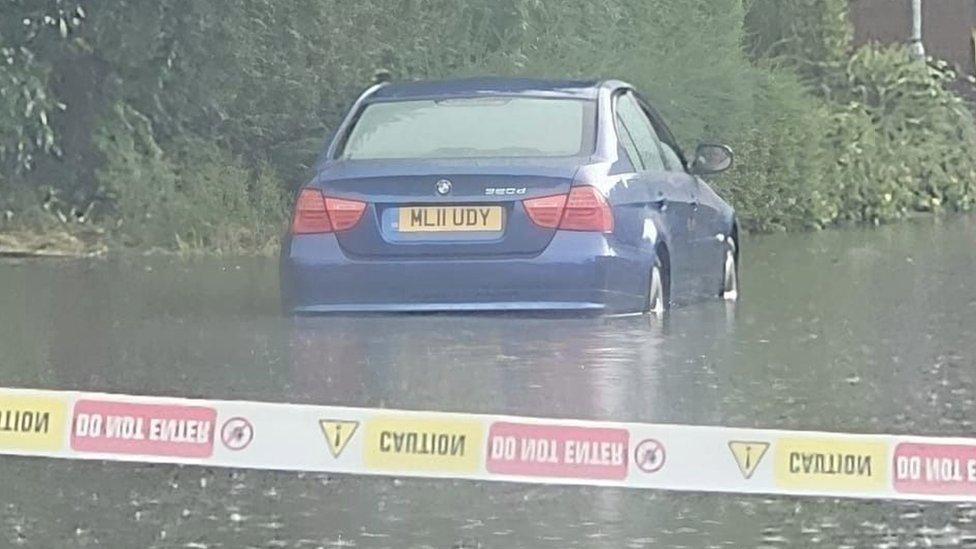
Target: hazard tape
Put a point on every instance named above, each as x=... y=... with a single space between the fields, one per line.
x=360 y=441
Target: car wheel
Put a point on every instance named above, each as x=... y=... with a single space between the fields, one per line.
x=730 y=277
x=658 y=300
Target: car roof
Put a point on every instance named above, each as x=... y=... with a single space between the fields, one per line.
x=474 y=87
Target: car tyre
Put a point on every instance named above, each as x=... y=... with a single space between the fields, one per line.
x=658 y=298
x=730 y=273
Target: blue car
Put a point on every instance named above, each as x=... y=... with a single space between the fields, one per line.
x=508 y=194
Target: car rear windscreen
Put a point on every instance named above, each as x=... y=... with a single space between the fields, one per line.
x=472 y=128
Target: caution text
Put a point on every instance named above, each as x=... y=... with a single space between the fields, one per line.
x=830 y=464
x=32 y=422
x=422 y=444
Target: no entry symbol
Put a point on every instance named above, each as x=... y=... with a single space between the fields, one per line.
x=237 y=433
x=649 y=455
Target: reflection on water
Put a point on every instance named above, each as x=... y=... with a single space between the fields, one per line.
x=860 y=330
x=551 y=367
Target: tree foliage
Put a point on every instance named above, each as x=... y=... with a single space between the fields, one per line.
x=30 y=32
x=104 y=101
x=812 y=36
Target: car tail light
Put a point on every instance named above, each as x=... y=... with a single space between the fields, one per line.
x=315 y=213
x=587 y=210
x=545 y=211
x=343 y=213
x=584 y=209
x=310 y=215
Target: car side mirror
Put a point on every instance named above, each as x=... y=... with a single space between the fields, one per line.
x=711 y=159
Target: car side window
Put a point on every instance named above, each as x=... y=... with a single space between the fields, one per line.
x=627 y=143
x=672 y=161
x=636 y=123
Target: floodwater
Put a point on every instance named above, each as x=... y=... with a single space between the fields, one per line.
x=865 y=330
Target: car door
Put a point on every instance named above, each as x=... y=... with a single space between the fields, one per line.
x=671 y=196
x=713 y=224
x=705 y=220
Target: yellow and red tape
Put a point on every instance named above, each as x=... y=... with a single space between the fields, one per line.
x=363 y=441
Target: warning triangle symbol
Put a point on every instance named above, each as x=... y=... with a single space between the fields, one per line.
x=337 y=433
x=747 y=454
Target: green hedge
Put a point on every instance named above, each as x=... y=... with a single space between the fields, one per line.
x=216 y=108
x=193 y=195
x=784 y=175
x=903 y=140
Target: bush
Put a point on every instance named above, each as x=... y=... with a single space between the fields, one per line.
x=782 y=176
x=31 y=33
x=193 y=195
x=891 y=139
x=904 y=140
x=894 y=137
x=25 y=110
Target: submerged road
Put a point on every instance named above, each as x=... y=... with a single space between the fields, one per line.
x=863 y=330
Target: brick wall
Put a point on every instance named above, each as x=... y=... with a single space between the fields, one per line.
x=947 y=27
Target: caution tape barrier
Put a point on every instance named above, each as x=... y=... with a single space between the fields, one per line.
x=360 y=441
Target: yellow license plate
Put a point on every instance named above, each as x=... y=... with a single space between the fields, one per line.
x=449 y=219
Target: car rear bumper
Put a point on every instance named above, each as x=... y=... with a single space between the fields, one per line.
x=577 y=271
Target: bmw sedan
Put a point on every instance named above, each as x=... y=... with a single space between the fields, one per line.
x=508 y=194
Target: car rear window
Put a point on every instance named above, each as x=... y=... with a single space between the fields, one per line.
x=471 y=128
